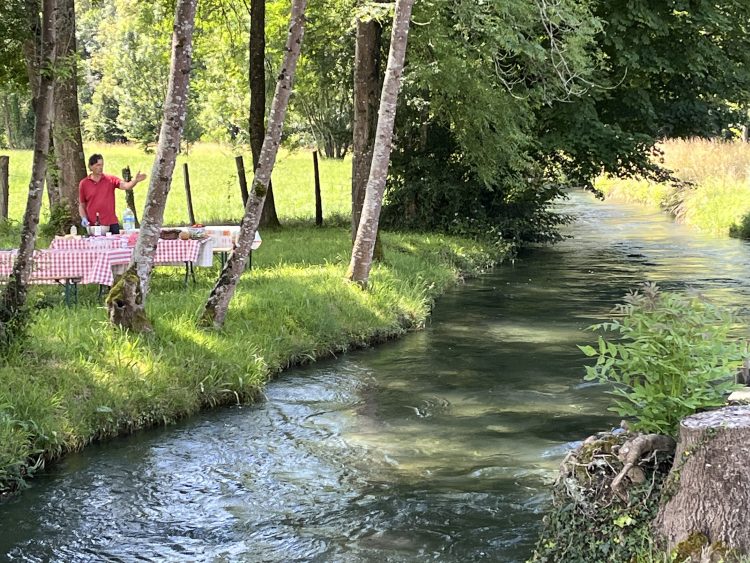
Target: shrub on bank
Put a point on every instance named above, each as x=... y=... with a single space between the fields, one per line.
x=669 y=356
x=664 y=356
x=80 y=380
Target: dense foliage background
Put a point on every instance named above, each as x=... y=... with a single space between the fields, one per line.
x=502 y=103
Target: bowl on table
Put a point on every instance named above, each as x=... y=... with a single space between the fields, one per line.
x=104 y=229
x=197 y=232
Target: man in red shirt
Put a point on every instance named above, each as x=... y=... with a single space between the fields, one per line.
x=96 y=195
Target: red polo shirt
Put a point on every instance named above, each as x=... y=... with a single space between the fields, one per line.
x=99 y=197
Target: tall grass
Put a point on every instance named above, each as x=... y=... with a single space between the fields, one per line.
x=213 y=178
x=718 y=195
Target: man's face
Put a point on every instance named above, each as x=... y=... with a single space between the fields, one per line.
x=98 y=166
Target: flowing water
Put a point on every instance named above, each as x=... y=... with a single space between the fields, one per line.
x=438 y=447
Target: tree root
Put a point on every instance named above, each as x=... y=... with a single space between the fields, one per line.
x=630 y=454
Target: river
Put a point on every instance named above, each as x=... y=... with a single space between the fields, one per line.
x=438 y=447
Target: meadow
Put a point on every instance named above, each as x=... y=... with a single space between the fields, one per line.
x=76 y=379
x=715 y=196
x=214 y=183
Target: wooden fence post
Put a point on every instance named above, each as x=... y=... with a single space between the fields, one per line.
x=243 y=180
x=318 y=201
x=4 y=187
x=191 y=214
x=129 y=197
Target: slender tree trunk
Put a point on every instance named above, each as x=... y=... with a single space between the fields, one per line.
x=364 y=244
x=126 y=300
x=217 y=304
x=12 y=309
x=4 y=187
x=257 y=74
x=366 y=88
x=66 y=131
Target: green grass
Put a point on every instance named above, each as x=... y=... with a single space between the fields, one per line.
x=81 y=380
x=214 y=184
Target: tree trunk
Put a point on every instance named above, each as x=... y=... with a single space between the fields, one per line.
x=53 y=175
x=217 y=304
x=364 y=244
x=257 y=75
x=8 y=123
x=31 y=48
x=366 y=87
x=125 y=303
x=66 y=131
x=4 y=187
x=12 y=309
x=708 y=484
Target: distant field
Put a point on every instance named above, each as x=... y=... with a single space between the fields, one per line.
x=213 y=178
x=718 y=197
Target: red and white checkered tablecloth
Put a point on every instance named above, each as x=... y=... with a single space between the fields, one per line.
x=170 y=251
x=6 y=262
x=86 y=266
x=167 y=251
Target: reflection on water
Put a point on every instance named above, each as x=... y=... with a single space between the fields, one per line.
x=437 y=447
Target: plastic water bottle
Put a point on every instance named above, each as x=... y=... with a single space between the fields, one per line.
x=128 y=220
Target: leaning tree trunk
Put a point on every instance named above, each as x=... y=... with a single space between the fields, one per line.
x=12 y=310
x=257 y=74
x=66 y=131
x=708 y=490
x=126 y=300
x=217 y=304
x=364 y=244
x=366 y=82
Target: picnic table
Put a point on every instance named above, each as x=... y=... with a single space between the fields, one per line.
x=225 y=239
x=177 y=252
x=69 y=267
x=71 y=261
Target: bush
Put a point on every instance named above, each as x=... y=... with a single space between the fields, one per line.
x=674 y=357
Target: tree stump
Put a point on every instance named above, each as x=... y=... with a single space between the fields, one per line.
x=708 y=489
x=125 y=303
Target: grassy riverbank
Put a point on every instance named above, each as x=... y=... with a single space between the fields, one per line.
x=718 y=197
x=79 y=380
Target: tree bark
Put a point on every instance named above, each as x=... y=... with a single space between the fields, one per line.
x=216 y=306
x=364 y=244
x=366 y=88
x=12 y=310
x=66 y=131
x=126 y=304
x=709 y=480
x=257 y=75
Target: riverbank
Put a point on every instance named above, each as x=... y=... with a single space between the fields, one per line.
x=715 y=196
x=79 y=380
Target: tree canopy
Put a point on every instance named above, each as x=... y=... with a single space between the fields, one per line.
x=501 y=102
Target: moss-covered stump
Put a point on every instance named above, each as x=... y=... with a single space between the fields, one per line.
x=589 y=520
x=125 y=303
x=709 y=486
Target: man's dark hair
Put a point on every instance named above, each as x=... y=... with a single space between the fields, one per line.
x=94 y=158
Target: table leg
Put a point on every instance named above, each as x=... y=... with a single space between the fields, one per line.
x=189 y=271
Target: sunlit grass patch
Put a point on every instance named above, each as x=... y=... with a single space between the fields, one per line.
x=716 y=198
